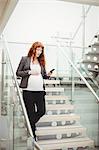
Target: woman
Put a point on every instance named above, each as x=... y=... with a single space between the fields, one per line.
x=31 y=69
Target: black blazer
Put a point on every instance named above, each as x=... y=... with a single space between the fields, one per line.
x=23 y=71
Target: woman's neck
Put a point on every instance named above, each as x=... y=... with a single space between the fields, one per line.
x=35 y=61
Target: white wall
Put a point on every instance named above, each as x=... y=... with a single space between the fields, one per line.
x=39 y=20
x=42 y=20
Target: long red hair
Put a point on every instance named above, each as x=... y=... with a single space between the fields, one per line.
x=32 y=52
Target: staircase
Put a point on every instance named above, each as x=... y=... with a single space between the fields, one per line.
x=60 y=128
x=91 y=59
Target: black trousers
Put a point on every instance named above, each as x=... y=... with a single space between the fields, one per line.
x=35 y=106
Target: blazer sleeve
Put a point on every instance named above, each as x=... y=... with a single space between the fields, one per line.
x=20 y=70
x=44 y=74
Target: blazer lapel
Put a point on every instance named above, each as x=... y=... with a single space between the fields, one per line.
x=29 y=61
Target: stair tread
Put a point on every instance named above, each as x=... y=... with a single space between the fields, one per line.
x=51 y=81
x=93 y=70
x=59 y=130
x=96 y=44
x=59 y=106
x=69 y=140
x=60 y=127
x=54 y=89
x=62 y=117
x=90 y=61
x=56 y=97
x=92 y=53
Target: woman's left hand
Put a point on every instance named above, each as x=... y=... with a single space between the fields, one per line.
x=49 y=74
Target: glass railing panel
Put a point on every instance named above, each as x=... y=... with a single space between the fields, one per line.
x=86 y=67
x=87 y=107
x=6 y=135
x=84 y=97
x=19 y=135
x=89 y=77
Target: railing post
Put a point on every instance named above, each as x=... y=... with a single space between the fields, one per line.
x=2 y=78
x=72 y=72
x=83 y=30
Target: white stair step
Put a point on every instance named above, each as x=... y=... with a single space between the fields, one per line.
x=56 y=97
x=51 y=81
x=59 y=130
x=54 y=89
x=63 y=117
x=65 y=143
x=59 y=107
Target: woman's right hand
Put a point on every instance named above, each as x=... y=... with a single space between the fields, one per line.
x=32 y=72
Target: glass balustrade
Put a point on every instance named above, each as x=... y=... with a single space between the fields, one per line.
x=16 y=133
x=85 y=92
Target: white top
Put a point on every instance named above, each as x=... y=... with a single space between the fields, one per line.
x=35 y=81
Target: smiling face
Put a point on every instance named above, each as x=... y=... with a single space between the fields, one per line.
x=38 y=51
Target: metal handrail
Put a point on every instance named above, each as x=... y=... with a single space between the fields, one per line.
x=20 y=96
x=82 y=77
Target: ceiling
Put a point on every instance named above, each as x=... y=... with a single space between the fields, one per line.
x=7 y=7
x=3 y=4
x=89 y=2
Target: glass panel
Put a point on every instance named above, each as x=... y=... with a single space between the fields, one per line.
x=11 y=110
x=6 y=118
x=83 y=99
x=86 y=66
